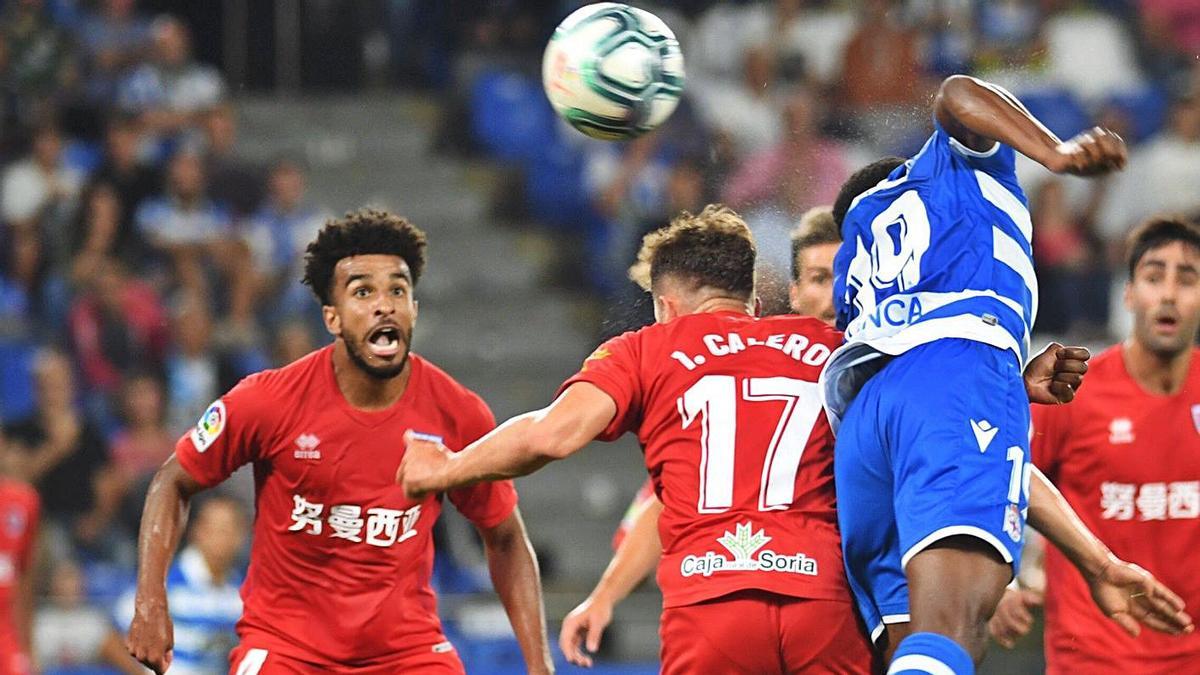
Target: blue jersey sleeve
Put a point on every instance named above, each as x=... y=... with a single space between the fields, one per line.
x=942 y=152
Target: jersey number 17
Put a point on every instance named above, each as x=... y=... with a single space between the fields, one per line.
x=714 y=400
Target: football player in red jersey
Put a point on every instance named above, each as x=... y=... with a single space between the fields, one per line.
x=340 y=563
x=814 y=243
x=1126 y=455
x=740 y=457
x=20 y=511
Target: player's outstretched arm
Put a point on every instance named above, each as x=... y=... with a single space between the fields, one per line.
x=1126 y=593
x=978 y=113
x=151 y=635
x=515 y=576
x=634 y=560
x=518 y=447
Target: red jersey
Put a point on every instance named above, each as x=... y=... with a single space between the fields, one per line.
x=19 y=511
x=728 y=412
x=1129 y=463
x=341 y=560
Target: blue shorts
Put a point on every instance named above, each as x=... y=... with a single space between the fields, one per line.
x=935 y=445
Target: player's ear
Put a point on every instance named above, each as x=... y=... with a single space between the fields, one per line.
x=665 y=309
x=333 y=321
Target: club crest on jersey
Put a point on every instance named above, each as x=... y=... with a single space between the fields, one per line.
x=1120 y=430
x=210 y=426
x=1012 y=522
x=306 y=447
x=743 y=543
x=1196 y=417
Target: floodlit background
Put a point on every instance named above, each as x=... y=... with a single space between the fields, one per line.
x=232 y=128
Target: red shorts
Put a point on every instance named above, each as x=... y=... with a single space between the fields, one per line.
x=760 y=632
x=248 y=660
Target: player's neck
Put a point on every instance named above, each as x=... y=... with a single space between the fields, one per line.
x=363 y=391
x=721 y=304
x=1155 y=373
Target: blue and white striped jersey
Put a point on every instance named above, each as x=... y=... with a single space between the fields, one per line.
x=940 y=249
x=204 y=613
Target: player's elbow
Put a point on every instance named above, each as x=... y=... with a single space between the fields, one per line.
x=955 y=97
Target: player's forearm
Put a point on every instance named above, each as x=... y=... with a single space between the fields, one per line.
x=514 y=572
x=508 y=451
x=635 y=559
x=978 y=113
x=1050 y=514
x=163 y=519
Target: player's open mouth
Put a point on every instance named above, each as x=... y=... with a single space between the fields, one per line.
x=1166 y=323
x=384 y=342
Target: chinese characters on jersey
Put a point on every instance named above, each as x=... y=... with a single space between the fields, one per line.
x=383 y=527
x=1150 y=501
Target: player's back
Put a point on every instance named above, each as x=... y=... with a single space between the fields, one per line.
x=740 y=452
x=942 y=248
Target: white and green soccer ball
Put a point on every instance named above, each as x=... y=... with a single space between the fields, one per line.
x=613 y=71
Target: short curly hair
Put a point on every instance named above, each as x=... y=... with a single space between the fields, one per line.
x=713 y=248
x=363 y=232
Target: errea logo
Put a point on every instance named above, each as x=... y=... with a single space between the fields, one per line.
x=306 y=447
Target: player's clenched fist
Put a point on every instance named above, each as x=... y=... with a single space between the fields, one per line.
x=1056 y=373
x=151 y=635
x=1091 y=153
x=423 y=459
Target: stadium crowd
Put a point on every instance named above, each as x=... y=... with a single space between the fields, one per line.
x=144 y=261
x=785 y=98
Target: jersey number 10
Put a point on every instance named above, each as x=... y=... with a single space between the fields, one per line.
x=714 y=400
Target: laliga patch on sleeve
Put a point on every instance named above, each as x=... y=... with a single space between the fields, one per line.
x=210 y=426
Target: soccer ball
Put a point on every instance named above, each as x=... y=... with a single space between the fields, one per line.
x=613 y=71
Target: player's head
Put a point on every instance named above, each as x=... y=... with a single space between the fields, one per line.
x=695 y=259
x=815 y=242
x=860 y=181
x=1163 y=290
x=363 y=268
x=219 y=531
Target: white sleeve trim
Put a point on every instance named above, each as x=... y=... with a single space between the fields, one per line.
x=963 y=150
x=954 y=531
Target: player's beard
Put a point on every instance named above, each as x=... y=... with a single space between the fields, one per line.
x=356 y=347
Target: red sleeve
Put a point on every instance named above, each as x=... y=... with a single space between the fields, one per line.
x=614 y=368
x=229 y=434
x=485 y=504
x=1050 y=424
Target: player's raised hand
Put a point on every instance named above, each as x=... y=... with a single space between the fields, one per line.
x=151 y=638
x=423 y=458
x=1055 y=374
x=1132 y=597
x=1090 y=153
x=1014 y=616
x=584 y=626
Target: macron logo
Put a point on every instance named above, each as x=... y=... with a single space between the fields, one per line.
x=984 y=433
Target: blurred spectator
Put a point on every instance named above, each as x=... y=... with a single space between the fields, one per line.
x=172 y=90
x=113 y=37
x=293 y=341
x=233 y=182
x=39 y=192
x=1090 y=53
x=40 y=53
x=103 y=232
x=64 y=457
x=816 y=34
x=1162 y=175
x=748 y=111
x=196 y=372
x=278 y=234
x=1070 y=260
x=115 y=325
x=30 y=285
x=20 y=514
x=203 y=590
x=1175 y=22
x=70 y=633
x=123 y=167
x=774 y=187
x=195 y=234
x=1009 y=33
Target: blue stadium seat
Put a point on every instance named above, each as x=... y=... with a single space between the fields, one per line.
x=554 y=187
x=510 y=115
x=1146 y=109
x=83 y=156
x=16 y=379
x=1058 y=109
